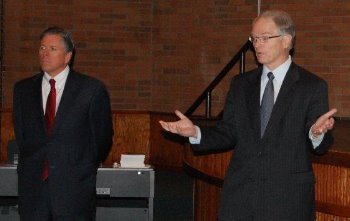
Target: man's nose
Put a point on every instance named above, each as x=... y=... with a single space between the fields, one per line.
x=43 y=52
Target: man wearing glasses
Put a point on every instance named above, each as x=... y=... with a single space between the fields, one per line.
x=274 y=117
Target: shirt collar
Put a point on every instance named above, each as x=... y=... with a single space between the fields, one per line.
x=59 y=78
x=280 y=72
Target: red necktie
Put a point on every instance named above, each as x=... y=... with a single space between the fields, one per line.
x=50 y=107
x=49 y=120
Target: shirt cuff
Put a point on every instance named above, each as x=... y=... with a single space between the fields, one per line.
x=197 y=140
x=316 y=141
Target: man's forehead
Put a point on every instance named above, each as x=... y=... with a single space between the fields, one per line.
x=52 y=38
x=264 y=25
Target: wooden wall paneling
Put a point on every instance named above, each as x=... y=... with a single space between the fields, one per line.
x=332 y=190
x=327 y=217
x=211 y=164
x=7 y=133
x=206 y=201
x=131 y=135
x=166 y=148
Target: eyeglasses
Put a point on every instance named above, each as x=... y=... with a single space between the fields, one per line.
x=262 y=39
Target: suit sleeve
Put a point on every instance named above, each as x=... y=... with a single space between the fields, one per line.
x=318 y=107
x=101 y=123
x=223 y=135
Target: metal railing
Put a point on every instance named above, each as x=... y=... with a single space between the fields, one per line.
x=206 y=94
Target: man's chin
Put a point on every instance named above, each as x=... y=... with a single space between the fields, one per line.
x=45 y=68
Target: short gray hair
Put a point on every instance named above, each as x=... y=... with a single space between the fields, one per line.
x=283 y=21
x=65 y=35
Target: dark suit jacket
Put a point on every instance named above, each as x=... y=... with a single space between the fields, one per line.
x=81 y=138
x=269 y=178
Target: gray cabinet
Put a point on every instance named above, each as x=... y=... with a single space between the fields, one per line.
x=122 y=194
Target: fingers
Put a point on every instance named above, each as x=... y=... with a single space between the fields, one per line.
x=172 y=126
x=324 y=119
x=183 y=127
x=180 y=115
x=324 y=123
x=164 y=125
x=328 y=125
x=330 y=113
x=169 y=126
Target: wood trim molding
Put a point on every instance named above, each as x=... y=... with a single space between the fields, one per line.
x=333 y=158
x=202 y=176
x=333 y=209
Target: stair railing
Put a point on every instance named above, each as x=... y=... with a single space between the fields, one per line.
x=206 y=94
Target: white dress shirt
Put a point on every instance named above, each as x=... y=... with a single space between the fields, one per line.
x=60 y=79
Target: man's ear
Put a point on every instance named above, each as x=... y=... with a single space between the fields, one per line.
x=287 y=41
x=68 y=57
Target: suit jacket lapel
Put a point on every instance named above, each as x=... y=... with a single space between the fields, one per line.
x=37 y=102
x=283 y=99
x=37 y=95
x=68 y=97
x=253 y=102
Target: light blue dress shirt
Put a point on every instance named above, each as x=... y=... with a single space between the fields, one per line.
x=279 y=73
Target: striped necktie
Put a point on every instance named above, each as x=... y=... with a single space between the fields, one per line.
x=267 y=103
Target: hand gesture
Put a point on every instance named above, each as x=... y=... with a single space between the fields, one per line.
x=323 y=123
x=183 y=127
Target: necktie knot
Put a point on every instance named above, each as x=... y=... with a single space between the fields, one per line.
x=52 y=83
x=270 y=76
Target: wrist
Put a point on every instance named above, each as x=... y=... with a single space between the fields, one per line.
x=314 y=136
x=314 y=132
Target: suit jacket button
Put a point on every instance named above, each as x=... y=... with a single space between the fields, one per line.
x=259 y=153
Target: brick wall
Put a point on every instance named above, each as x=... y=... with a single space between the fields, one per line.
x=160 y=54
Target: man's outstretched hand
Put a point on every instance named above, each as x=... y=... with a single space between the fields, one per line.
x=323 y=123
x=183 y=127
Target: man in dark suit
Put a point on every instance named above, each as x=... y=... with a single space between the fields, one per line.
x=60 y=146
x=270 y=176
